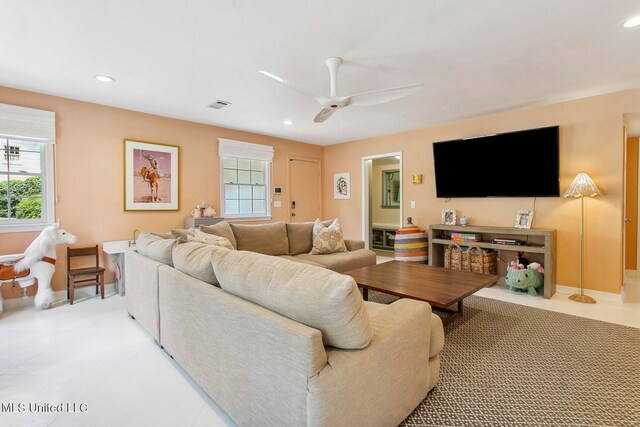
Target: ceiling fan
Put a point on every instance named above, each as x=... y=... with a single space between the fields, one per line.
x=334 y=102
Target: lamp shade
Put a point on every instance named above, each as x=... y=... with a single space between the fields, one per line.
x=582 y=185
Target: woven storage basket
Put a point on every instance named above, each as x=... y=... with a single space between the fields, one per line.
x=481 y=261
x=411 y=244
x=453 y=257
x=474 y=259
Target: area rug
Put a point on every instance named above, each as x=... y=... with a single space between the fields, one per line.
x=505 y=364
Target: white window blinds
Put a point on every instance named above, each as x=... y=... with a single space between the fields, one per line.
x=27 y=123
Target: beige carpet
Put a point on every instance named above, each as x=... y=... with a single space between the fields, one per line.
x=505 y=364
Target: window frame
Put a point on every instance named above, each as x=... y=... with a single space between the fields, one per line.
x=229 y=148
x=267 y=185
x=48 y=193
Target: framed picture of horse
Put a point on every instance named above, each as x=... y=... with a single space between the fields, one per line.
x=150 y=176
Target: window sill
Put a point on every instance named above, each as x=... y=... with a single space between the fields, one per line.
x=22 y=228
x=247 y=218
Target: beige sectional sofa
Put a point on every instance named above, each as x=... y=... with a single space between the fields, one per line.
x=283 y=343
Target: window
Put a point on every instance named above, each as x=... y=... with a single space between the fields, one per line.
x=26 y=168
x=12 y=153
x=245 y=177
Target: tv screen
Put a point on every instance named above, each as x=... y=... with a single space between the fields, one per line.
x=516 y=164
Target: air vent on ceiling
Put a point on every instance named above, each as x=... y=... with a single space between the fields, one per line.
x=219 y=104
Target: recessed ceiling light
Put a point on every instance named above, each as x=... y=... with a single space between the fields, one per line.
x=632 y=22
x=105 y=79
x=288 y=122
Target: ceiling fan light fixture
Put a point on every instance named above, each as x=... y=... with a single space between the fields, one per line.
x=105 y=79
x=632 y=22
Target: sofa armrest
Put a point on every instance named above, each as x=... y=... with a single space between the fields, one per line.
x=382 y=383
x=354 y=245
x=141 y=278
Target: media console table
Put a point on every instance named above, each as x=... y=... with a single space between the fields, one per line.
x=540 y=246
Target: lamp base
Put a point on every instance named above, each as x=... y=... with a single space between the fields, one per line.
x=582 y=298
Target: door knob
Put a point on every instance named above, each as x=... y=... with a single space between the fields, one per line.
x=293 y=214
x=627 y=219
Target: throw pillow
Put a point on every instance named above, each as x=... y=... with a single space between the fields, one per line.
x=327 y=240
x=155 y=247
x=194 y=259
x=222 y=229
x=181 y=234
x=300 y=236
x=210 y=239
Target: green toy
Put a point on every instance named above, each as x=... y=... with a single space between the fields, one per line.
x=526 y=279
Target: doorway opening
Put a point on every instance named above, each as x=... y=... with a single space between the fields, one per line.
x=381 y=201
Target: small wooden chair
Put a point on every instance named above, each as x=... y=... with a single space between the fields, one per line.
x=87 y=276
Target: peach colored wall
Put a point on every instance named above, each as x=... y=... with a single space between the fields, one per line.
x=591 y=139
x=90 y=170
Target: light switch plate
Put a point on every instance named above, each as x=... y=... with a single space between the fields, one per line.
x=277 y=204
x=413 y=204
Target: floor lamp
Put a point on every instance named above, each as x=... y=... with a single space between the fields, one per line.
x=581 y=186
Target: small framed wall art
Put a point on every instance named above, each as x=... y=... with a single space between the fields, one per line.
x=342 y=185
x=449 y=216
x=524 y=219
x=150 y=176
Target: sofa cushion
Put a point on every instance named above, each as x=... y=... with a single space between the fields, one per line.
x=314 y=296
x=268 y=239
x=210 y=239
x=304 y=261
x=327 y=240
x=194 y=259
x=300 y=235
x=182 y=234
x=222 y=229
x=342 y=261
x=155 y=247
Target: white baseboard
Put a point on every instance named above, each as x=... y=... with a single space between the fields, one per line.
x=61 y=297
x=598 y=295
x=570 y=290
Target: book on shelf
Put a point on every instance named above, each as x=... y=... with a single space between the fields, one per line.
x=466 y=237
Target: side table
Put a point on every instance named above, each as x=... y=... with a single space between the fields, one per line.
x=116 y=250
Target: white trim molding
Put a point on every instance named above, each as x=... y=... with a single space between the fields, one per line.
x=366 y=214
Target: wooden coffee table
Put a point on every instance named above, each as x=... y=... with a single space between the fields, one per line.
x=438 y=286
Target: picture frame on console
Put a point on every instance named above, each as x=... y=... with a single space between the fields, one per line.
x=524 y=219
x=449 y=216
x=150 y=176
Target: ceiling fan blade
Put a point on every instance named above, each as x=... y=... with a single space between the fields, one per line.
x=288 y=84
x=324 y=114
x=384 y=95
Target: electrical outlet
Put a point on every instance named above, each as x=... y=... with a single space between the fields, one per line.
x=413 y=204
x=277 y=204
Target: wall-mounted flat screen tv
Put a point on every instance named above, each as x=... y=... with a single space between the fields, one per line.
x=515 y=164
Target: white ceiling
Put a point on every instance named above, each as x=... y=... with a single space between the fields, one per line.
x=174 y=58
